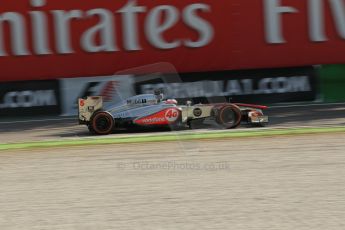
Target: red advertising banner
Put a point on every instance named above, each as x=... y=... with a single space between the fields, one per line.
x=47 y=39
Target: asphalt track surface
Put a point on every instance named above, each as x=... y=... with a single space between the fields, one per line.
x=282 y=182
x=37 y=129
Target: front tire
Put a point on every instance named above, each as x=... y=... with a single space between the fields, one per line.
x=102 y=123
x=228 y=116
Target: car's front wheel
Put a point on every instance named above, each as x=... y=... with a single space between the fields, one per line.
x=228 y=116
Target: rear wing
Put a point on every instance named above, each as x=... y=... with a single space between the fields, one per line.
x=87 y=107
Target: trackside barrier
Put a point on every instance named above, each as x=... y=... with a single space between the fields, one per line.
x=332 y=83
x=265 y=86
x=59 y=97
x=30 y=98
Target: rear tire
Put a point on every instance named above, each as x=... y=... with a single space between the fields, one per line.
x=102 y=123
x=228 y=116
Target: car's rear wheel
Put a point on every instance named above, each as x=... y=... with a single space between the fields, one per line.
x=228 y=116
x=102 y=123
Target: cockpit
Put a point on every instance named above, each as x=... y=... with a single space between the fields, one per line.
x=144 y=99
x=149 y=99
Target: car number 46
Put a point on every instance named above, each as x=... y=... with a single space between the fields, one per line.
x=171 y=114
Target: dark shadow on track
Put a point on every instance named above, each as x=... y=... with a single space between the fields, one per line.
x=138 y=130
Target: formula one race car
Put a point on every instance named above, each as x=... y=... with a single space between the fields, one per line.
x=150 y=110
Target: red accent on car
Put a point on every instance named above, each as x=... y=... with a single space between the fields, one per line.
x=252 y=106
x=254 y=114
x=163 y=117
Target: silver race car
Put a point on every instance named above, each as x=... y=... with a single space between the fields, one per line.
x=151 y=110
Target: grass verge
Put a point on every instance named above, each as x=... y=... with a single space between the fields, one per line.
x=159 y=137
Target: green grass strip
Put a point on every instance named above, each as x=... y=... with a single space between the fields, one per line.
x=161 y=137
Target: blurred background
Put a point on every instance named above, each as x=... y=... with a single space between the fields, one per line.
x=268 y=52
